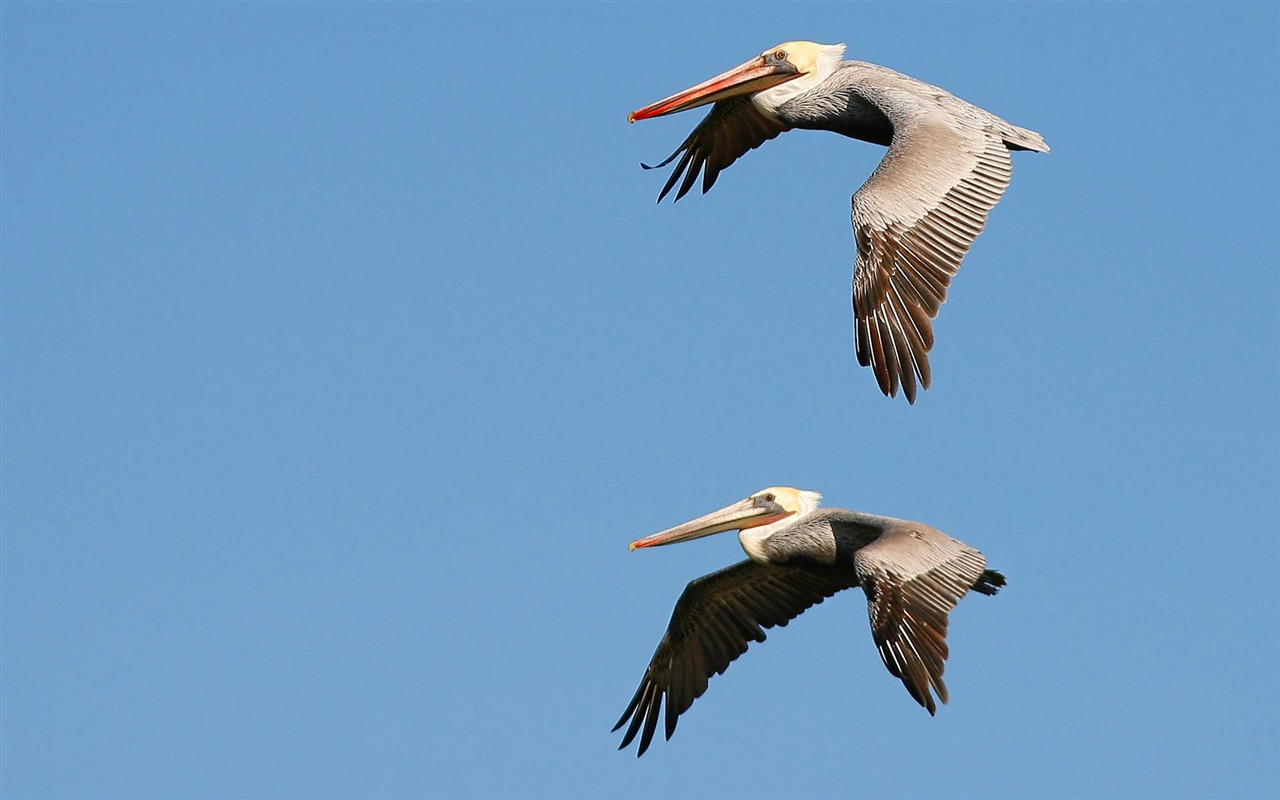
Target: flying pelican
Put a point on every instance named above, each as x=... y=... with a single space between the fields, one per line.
x=915 y=217
x=799 y=554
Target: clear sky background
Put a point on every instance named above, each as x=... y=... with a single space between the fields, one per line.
x=345 y=349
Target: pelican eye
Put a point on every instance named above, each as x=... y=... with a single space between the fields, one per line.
x=769 y=498
x=781 y=55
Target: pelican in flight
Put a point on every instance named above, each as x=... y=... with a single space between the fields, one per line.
x=800 y=555
x=915 y=217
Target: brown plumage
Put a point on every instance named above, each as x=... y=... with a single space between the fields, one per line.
x=916 y=216
x=912 y=575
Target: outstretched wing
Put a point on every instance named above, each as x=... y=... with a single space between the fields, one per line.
x=913 y=576
x=913 y=221
x=733 y=127
x=714 y=620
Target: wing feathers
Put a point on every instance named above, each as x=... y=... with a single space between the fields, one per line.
x=733 y=127
x=715 y=619
x=914 y=220
x=913 y=578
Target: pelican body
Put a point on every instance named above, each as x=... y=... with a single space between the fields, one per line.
x=916 y=216
x=799 y=555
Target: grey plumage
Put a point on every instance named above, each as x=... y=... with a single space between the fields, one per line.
x=916 y=216
x=912 y=575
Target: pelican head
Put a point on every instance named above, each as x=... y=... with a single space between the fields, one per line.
x=771 y=78
x=765 y=507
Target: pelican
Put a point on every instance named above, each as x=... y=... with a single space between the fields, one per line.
x=800 y=555
x=915 y=217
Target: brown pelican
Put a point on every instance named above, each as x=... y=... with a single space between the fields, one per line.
x=799 y=554
x=915 y=217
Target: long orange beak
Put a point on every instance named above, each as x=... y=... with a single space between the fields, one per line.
x=754 y=76
x=743 y=514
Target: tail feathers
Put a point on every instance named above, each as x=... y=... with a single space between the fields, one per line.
x=989 y=582
x=1016 y=138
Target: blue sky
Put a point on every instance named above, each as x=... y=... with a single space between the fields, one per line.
x=345 y=349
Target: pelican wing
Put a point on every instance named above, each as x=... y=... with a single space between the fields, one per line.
x=733 y=127
x=913 y=221
x=913 y=576
x=714 y=620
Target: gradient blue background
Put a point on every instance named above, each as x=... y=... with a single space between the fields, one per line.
x=344 y=350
